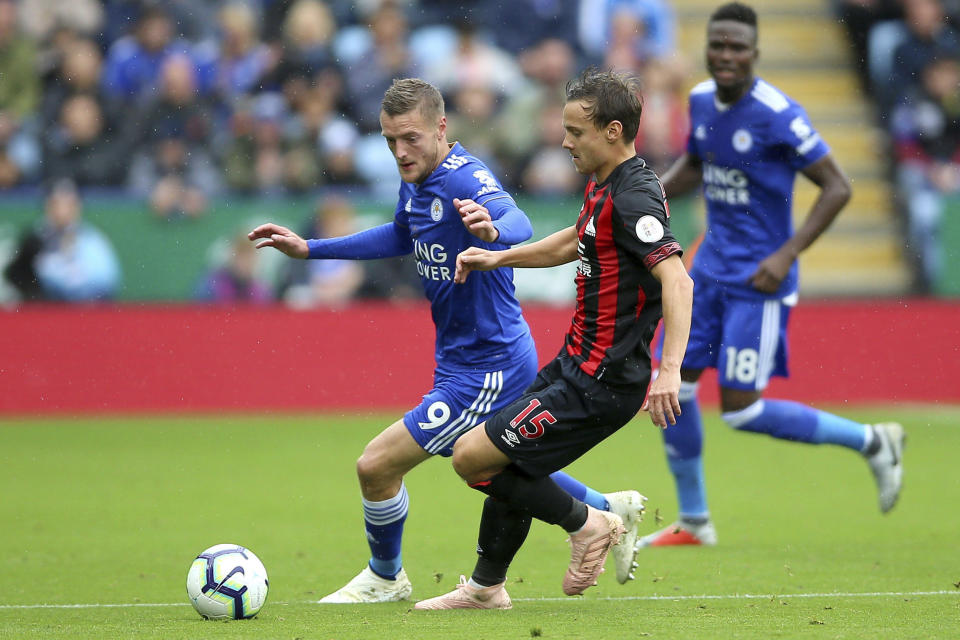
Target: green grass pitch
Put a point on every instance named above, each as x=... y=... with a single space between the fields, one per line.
x=101 y=518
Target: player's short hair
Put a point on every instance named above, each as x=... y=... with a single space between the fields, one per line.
x=737 y=12
x=407 y=94
x=609 y=96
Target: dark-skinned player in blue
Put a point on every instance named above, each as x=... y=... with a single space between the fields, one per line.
x=747 y=143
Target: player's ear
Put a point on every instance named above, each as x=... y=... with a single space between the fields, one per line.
x=613 y=130
x=441 y=127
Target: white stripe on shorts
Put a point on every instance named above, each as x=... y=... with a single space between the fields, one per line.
x=492 y=386
x=769 y=341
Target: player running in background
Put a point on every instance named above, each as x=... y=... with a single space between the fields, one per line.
x=748 y=140
x=629 y=273
x=485 y=355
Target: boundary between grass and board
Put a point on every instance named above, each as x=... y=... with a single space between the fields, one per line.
x=720 y=596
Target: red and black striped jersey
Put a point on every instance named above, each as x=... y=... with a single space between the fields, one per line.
x=623 y=231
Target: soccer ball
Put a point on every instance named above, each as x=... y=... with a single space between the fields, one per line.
x=227 y=581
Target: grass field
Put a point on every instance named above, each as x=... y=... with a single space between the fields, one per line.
x=100 y=519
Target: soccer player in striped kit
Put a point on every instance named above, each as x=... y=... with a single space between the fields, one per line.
x=747 y=143
x=629 y=274
x=485 y=356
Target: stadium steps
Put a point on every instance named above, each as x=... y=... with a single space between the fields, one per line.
x=803 y=52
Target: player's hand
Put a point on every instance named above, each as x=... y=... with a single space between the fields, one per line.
x=771 y=271
x=663 y=401
x=474 y=259
x=476 y=218
x=280 y=238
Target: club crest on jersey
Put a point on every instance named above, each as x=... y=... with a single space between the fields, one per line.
x=700 y=133
x=742 y=140
x=436 y=210
x=649 y=229
x=409 y=206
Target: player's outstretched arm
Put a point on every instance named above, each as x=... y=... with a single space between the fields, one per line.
x=683 y=176
x=556 y=249
x=663 y=401
x=835 y=192
x=280 y=238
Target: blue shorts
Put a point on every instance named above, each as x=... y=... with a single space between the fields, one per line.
x=461 y=400
x=744 y=338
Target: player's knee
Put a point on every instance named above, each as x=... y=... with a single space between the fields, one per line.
x=743 y=417
x=465 y=463
x=369 y=468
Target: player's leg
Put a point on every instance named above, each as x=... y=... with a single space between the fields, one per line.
x=549 y=427
x=380 y=469
x=754 y=349
x=506 y=386
x=683 y=441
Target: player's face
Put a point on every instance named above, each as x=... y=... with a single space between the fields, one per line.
x=418 y=144
x=586 y=144
x=731 y=52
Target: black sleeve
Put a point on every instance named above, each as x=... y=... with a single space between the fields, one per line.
x=643 y=212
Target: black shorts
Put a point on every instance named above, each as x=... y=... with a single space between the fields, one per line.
x=561 y=416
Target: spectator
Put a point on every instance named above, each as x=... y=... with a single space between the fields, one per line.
x=64 y=258
x=542 y=20
x=77 y=73
x=601 y=21
x=372 y=58
x=547 y=67
x=174 y=168
x=243 y=60
x=253 y=158
x=308 y=28
x=473 y=109
x=926 y=131
x=325 y=283
x=474 y=62
x=925 y=30
x=134 y=63
x=19 y=96
x=81 y=148
x=235 y=281
x=858 y=18
x=662 y=136
x=549 y=172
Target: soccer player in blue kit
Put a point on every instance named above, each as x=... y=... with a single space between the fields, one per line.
x=748 y=140
x=485 y=356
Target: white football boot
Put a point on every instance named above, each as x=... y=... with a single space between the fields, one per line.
x=887 y=463
x=369 y=587
x=629 y=506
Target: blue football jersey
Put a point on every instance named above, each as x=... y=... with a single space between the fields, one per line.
x=479 y=323
x=751 y=152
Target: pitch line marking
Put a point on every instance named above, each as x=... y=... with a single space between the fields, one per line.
x=755 y=596
x=731 y=596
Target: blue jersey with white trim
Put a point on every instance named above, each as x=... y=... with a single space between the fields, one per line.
x=751 y=152
x=479 y=323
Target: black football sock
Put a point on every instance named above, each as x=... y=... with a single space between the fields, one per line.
x=502 y=532
x=540 y=497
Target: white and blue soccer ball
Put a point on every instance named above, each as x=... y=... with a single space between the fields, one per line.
x=227 y=581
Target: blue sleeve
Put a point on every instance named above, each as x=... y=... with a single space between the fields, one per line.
x=386 y=241
x=802 y=144
x=509 y=220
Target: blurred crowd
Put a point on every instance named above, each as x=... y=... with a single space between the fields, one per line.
x=908 y=55
x=182 y=101
x=178 y=103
